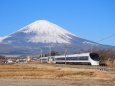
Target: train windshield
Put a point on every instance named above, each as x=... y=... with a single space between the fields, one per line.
x=94 y=56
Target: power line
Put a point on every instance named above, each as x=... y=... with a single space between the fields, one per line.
x=103 y=39
x=106 y=38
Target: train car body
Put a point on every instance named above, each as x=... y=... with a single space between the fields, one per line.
x=87 y=58
x=44 y=60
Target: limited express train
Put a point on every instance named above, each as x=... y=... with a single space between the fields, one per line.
x=83 y=58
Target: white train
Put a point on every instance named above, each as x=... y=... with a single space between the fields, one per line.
x=44 y=59
x=83 y=58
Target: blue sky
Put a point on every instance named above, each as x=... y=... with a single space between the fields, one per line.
x=88 y=19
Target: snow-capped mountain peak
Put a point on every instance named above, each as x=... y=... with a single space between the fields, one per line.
x=46 y=32
x=40 y=35
x=43 y=26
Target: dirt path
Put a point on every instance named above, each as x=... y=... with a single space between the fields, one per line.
x=55 y=82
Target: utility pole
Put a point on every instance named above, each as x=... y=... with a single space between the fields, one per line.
x=41 y=55
x=49 y=54
x=65 y=49
x=49 y=50
x=91 y=48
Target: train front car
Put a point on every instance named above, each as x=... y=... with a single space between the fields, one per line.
x=94 y=58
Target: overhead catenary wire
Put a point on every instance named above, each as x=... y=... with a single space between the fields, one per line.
x=103 y=40
x=106 y=38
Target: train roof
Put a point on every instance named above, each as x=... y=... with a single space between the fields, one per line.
x=80 y=54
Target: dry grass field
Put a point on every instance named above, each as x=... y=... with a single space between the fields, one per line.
x=48 y=75
x=25 y=70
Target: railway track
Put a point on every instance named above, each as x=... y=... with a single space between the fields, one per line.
x=101 y=68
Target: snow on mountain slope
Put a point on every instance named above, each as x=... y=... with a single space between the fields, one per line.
x=42 y=34
x=90 y=43
x=46 y=32
x=2 y=38
x=43 y=31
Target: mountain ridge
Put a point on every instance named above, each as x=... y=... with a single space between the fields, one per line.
x=42 y=30
x=41 y=34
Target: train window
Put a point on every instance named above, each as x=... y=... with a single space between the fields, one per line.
x=94 y=56
x=75 y=58
x=71 y=58
x=83 y=58
x=68 y=58
x=60 y=59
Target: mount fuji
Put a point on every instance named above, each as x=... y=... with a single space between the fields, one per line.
x=43 y=34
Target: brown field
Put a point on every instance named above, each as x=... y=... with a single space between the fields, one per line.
x=48 y=75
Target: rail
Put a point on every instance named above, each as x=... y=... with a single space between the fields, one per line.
x=100 y=68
